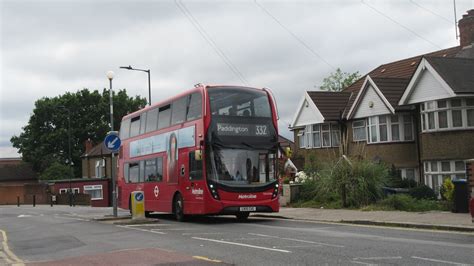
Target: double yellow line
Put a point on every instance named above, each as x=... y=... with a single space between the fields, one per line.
x=7 y=254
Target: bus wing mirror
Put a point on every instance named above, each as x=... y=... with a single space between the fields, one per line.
x=198 y=155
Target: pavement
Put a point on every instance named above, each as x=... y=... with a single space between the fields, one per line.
x=425 y=220
x=437 y=220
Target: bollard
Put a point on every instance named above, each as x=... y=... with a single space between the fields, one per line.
x=18 y=201
x=51 y=200
x=34 y=200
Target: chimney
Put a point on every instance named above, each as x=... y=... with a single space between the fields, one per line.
x=88 y=145
x=466 y=28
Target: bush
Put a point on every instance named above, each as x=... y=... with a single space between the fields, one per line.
x=354 y=183
x=422 y=192
x=403 y=202
x=308 y=191
x=447 y=190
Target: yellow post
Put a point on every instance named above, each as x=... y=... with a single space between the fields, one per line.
x=138 y=205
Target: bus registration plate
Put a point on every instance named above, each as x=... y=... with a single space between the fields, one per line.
x=248 y=209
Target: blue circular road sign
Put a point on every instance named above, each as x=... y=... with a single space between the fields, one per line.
x=139 y=196
x=112 y=142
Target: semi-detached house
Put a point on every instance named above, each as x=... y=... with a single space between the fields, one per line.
x=416 y=114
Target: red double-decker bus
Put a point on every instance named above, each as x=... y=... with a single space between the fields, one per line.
x=210 y=150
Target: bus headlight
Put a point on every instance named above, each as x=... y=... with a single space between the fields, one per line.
x=214 y=193
x=275 y=191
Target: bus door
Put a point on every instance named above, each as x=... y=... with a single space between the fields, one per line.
x=192 y=184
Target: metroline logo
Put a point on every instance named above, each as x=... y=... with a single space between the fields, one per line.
x=247 y=196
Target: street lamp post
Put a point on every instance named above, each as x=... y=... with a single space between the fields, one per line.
x=149 y=82
x=69 y=150
x=110 y=76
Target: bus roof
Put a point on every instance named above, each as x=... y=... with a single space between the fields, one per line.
x=198 y=88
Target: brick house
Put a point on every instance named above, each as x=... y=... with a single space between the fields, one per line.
x=96 y=161
x=416 y=114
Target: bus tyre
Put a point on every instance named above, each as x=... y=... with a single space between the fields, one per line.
x=147 y=214
x=242 y=216
x=178 y=207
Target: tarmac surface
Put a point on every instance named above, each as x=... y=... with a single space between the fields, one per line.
x=427 y=220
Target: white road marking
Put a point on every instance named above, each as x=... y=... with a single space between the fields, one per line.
x=143 y=230
x=360 y=262
x=299 y=240
x=305 y=246
x=188 y=234
x=379 y=258
x=241 y=244
x=145 y=225
x=440 y=261
x=173 y=229
x=23 y=215
x=259 y=235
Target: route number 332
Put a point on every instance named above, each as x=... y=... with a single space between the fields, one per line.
x=261 y=130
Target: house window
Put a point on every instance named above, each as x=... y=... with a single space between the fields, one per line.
x=395 y=128
x=100 y=168
x=75 y=190
x=408 y=173
x=447 y=114
x=359 y=132
x=326 y=137
x=316 y=136
x=63 y=191
x=321 y=135
x=301 y=138
x=437 y=171
x=335 y=135
x=95 y=191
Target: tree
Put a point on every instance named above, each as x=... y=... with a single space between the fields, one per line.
x=339 y=80
x=44 y=139
x=56 y=171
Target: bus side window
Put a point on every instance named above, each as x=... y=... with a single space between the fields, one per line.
x=164 y=116
x=178 y=113
x=151 y=120
x=159 y=169
x=141 y=177
x=194 y=107
x=135 y=126
x=151 y=171
x=133 y=172
x=142 y=122
x=126 y=172
x=195 y=167
x=125 y=129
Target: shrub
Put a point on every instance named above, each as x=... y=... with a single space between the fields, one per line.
x=422 y=192
x=308 y=191
x=403 y=202
x=355 y=183
x=447 y=190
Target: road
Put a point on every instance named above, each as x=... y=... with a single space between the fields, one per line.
x=66 y=235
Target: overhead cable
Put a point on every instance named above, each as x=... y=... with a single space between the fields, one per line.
x=210 y=41
x=401 y=25
x=303 y=43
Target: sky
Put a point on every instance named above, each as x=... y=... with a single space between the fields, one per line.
x=50 y=47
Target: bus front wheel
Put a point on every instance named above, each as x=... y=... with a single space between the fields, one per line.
x=178 y=207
